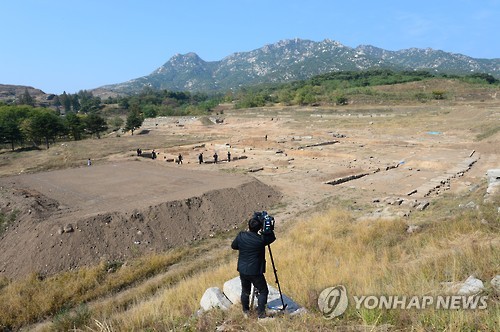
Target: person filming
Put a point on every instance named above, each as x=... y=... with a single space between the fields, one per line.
x=252 y=261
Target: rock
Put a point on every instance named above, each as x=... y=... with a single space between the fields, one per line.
x=214 y=298
x=422 y=206
x=471 y=286
x=470 y=205
x=68 y=228
x=413 y=229
x=493 y=175
x=395 y=201
x=299 y=311
x=493 y=183
x=412 y=203
x=495 y=283
x=232 y=290
x=403 y=214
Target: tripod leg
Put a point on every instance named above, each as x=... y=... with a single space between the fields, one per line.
x=276 y=276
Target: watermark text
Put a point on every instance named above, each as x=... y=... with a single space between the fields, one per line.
x=333 y=302
x=440 y=302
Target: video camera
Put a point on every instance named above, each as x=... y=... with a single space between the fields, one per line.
x=266 y=220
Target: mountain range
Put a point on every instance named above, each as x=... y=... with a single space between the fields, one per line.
x=296 y=59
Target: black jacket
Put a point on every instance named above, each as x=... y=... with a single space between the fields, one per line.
x=252 y=255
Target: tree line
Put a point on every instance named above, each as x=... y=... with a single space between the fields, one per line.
x=82 y=115
x=153 y=103
x=36 y=126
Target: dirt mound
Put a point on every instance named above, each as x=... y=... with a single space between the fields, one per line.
x=50 y=236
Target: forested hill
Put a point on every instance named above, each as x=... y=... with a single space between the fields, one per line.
x=297 y=59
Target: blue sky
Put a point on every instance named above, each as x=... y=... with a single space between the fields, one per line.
x=72 y=45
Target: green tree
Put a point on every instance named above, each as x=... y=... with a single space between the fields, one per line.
x=483 y=76
x=74 y=125
x=305 y=95
x=56 y=101
x=341 y=100
x=26 y=99
x=150 y=111
x=124 y=103
x=134 y=119
x=251 y=99
x=88 y=102
x=75 y=103
x=43 y=125
x=285 y=96
x=11 y=118
x=116 y=123
x=110 y=100
x=95 y=124
x=65 y=102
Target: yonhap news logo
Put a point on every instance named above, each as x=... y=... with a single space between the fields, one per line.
x=333 y=302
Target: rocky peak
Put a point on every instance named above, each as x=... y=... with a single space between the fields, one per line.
x=293 y=59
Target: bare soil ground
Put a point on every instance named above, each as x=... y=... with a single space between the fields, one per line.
x=113 y=212
x=399 y=158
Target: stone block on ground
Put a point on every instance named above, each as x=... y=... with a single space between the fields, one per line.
x=471 y=286
x=232 y=290
x=214 y=298
x=413 y=229
x=493 y=175
x=493 y=183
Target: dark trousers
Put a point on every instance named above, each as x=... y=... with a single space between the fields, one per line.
x=259 y=282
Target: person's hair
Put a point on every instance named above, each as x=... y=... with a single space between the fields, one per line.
x=254 y=225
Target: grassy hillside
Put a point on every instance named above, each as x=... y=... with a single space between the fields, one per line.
x=162 y=292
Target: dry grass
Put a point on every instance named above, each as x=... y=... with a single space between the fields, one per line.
x=30 y=300
x=369 y=258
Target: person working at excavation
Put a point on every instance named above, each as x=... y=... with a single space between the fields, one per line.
x=252 y=263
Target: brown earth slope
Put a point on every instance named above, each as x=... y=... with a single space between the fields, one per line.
x=117 y=211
